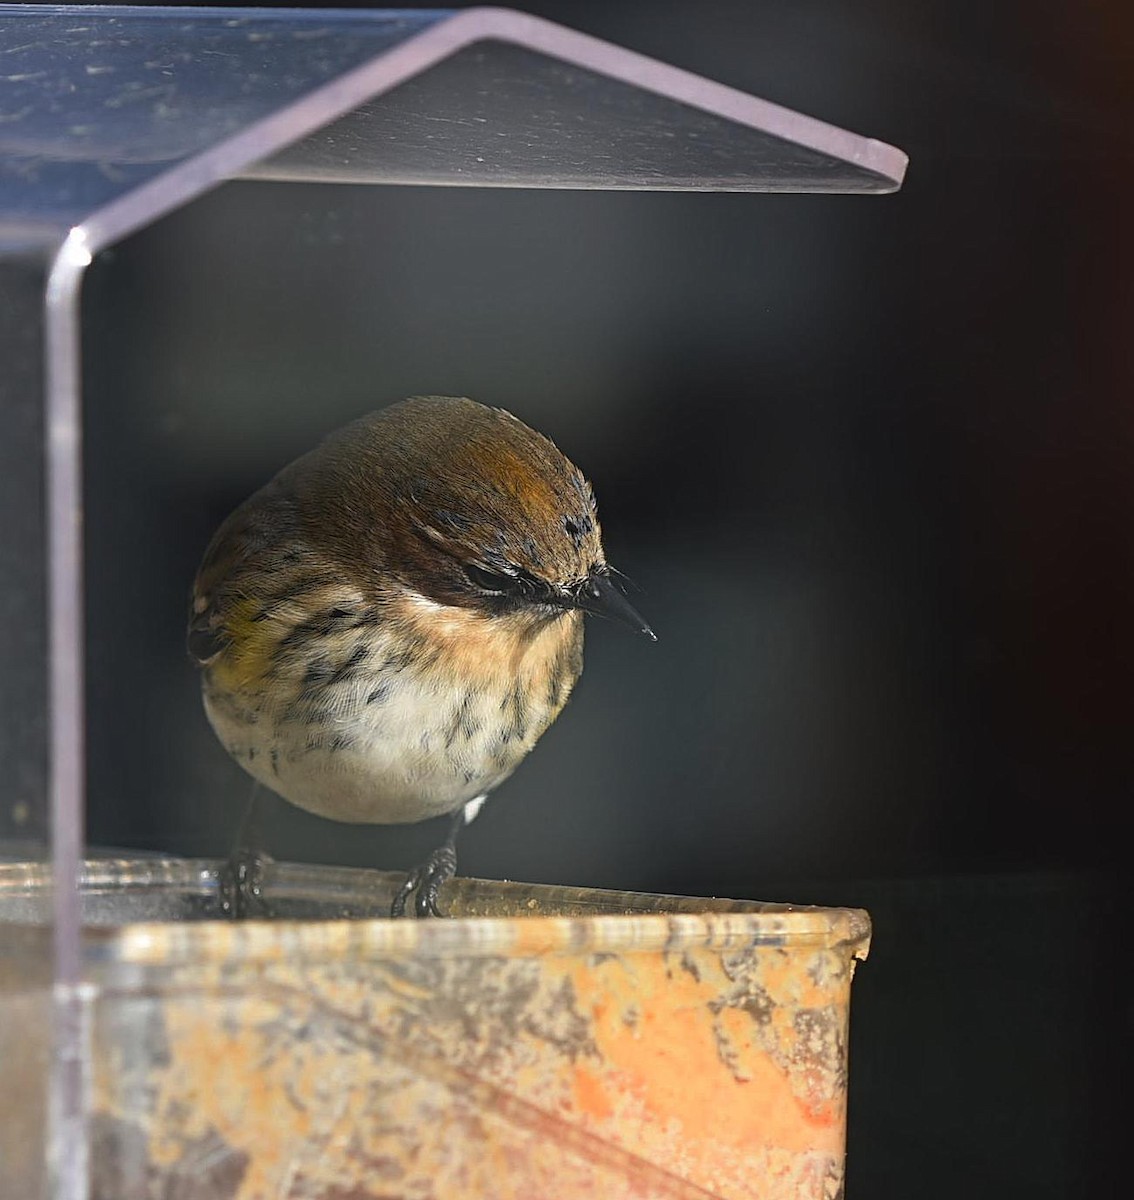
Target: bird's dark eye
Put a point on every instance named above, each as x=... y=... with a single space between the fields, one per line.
x=490 y=581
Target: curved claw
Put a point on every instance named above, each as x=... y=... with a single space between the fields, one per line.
x=240 y=885
x=412 y=881
x=424 y=883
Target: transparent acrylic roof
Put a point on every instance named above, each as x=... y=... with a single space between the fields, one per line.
x=100 y=104
x=97 y=101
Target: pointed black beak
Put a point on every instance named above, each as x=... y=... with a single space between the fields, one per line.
x=599 y=595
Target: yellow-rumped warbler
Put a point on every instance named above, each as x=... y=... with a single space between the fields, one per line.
x=386 y=628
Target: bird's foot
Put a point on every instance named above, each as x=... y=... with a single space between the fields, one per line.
x=240 y=885
x=425 y=881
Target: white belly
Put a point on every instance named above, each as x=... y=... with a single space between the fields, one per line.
x=382 y=751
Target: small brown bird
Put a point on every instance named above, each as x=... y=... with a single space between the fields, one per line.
x=386 y=628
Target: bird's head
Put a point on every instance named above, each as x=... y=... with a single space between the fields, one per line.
x=467 y=506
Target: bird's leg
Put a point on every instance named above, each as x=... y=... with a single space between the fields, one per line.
x=426 y=879
x=240 y=881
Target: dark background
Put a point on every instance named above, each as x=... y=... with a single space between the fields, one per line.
x=869 y=461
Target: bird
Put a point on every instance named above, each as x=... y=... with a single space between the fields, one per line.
x=387 y=627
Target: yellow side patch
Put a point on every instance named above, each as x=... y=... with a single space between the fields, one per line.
x=252 y=645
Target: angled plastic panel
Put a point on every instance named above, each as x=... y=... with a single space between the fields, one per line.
x=100 y=102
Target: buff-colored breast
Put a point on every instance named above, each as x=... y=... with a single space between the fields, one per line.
x=395 y=719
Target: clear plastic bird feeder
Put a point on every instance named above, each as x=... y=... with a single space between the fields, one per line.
x=135 y=1053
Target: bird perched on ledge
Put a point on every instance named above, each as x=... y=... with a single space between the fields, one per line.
x=387 y=627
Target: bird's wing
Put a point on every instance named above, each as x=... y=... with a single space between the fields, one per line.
x=241 y=562
x=205 y=638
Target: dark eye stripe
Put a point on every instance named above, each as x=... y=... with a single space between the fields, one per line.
x=490 y=581
x=521 y=587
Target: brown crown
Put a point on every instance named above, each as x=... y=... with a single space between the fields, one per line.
x=427 y=487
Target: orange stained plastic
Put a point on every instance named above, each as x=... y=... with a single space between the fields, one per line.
x=685 y=1054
